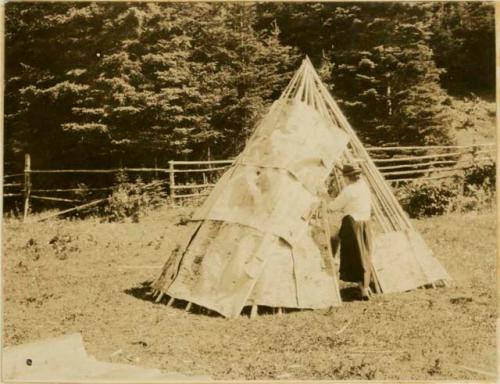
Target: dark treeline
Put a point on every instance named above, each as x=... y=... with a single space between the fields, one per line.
x=104 y=84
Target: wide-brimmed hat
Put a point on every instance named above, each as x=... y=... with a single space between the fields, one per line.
x=351 y=169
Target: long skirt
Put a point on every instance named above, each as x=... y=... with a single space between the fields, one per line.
x=355 y=250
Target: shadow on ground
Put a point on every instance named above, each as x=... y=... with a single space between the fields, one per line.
x=145 y=292
x=350 y=294
x=142 y=292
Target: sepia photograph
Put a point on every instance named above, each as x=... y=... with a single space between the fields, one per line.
x=249 y=191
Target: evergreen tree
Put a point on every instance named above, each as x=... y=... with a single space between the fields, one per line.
x=464 y=44
x=251 y=70
x=99 y=84
x=380 y=61
x=118 y=83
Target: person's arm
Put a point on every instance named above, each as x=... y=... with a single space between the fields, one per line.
x=340 y=201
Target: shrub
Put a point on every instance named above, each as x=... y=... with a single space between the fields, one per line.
x=131 y=200
x=428 y=198
x=475 y=198
x=481 y=175
x=478 y=189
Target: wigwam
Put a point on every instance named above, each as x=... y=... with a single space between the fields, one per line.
x=254 y=241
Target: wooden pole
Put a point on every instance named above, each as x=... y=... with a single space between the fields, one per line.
x=102 y=170
x=172 y=181
x=427 y=147
x=170 y=301
x=54 y=199
x=360 y=151
x=84 y=206
x=327 y=233
x=254 y=311
x=209 y=157
x=160 y=296
x=291 y=85
x=27 y=184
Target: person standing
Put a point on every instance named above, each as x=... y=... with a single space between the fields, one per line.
x=355 y=202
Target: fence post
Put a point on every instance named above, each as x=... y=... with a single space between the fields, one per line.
x=27 y=184
x=209 y=158
x=172 y=181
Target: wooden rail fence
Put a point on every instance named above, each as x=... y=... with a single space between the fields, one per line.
x=194 y=179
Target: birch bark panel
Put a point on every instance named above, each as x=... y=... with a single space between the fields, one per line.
x=403 y=262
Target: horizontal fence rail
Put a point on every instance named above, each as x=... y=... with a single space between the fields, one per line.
x=195 y=179
x=428 y=147
x=99 y=170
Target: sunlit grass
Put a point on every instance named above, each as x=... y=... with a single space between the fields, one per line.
x=64 y=276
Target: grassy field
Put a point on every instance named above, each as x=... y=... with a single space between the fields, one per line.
x=85 y=276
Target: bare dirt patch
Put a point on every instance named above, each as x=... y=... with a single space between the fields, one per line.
x=86 y=276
